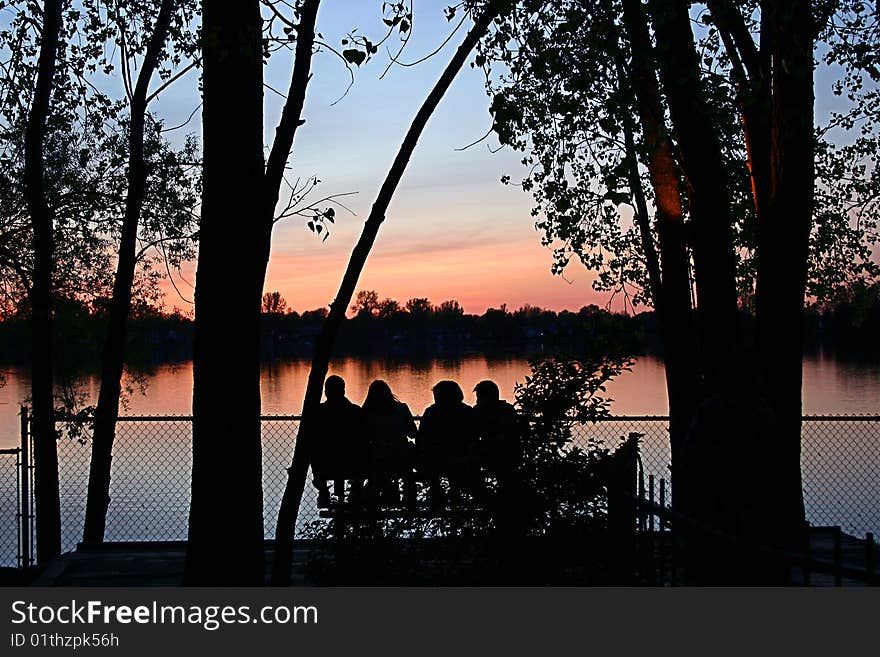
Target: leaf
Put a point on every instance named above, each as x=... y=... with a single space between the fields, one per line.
x=353 y=56
x=616 y=197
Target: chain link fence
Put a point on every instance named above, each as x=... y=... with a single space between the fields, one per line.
x=840 y=464
x=152 y=465
x=151 y=475
x=10 y=546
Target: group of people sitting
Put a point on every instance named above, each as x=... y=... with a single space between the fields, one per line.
x=378 y=449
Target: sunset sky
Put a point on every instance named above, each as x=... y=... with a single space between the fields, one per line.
x=453 y=230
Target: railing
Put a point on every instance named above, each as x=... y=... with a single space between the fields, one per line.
x=152 y=464
x=734 y=558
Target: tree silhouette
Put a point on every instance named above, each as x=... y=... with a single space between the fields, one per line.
x=366 y=303
x=570 y=109
x=228 y=300
x=226 y=512
x=41 y=293
x=106 y=413
x=273 y=304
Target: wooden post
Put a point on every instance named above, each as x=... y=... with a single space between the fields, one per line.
x=25 y=512
x=651 y=543
x=838 y=577
x=662 y=503
x=623 y=509
x=869 y=558
x=665 y=545
x=641 y=509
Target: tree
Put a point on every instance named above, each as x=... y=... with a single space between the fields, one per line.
x=783 y=253
x=41 y=293
x=273 y=304
x=227 y=447
x=782 y=172
x=676 y=315
x=449 y=310
x=579 y=95
x=709 y=194
x=733 y=112
x=301 y=459
x=366 y=303
x=418 y=307
x=172 y=18
x=78 y=203
x=388 y=309
x=85 y=172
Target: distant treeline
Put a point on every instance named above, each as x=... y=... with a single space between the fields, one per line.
x=850 y=325
x=418 y=327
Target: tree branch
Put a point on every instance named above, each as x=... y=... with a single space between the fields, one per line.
x=292 y=112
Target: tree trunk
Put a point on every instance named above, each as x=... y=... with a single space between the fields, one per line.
x=41 y=295
x=682 y=374
x=298 y=470
x=226 y=514
x=708 y=195
x=751 y=73
x=107 y=410
x=783 y=252
x=643 y=220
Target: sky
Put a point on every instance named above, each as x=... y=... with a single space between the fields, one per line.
x=453 y=231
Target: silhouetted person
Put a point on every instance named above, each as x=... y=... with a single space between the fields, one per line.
x=497 y=426
x=447 y=442
x=389 y=423
x=341 y=451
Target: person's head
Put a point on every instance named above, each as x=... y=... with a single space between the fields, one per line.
x=447 y=393
x=487 y=392
x=334 y=387
x=379 y=397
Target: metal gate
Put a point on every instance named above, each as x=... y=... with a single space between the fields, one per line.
x=16 y=501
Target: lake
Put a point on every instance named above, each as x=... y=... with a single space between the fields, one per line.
x=831 y=386
x=152 y=460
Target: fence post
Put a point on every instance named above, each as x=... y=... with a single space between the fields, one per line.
x=663 y=503
x=24 y=516
x=623 y=509
x=641 y=503
x=665 y=546
x=869 y=558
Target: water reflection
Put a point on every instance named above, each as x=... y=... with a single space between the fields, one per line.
x=152 y=461
x=831 y=385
